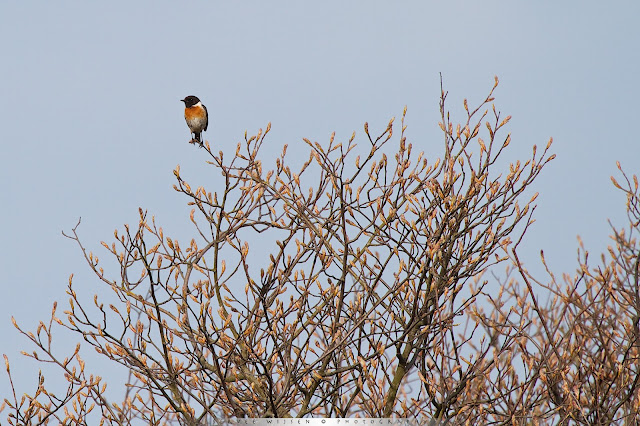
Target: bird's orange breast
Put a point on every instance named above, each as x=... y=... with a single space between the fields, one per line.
x=196 y=117
x=194 y=113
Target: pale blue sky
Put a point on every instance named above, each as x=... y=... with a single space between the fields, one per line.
x=91 y=124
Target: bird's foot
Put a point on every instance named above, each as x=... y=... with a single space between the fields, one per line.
x=195 y=141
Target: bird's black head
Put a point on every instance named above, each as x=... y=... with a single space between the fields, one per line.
x=190 y=101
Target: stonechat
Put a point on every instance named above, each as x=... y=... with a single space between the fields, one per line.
x=197 y=117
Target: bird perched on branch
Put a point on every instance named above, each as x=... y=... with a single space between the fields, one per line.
x=197 y=117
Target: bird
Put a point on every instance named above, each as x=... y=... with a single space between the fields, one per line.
x=195 y=113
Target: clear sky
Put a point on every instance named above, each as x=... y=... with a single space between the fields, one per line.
x=91 y=124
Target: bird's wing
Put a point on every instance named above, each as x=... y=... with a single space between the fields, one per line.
x=206 y=114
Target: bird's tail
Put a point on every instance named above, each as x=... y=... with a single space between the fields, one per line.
x=198 y=138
